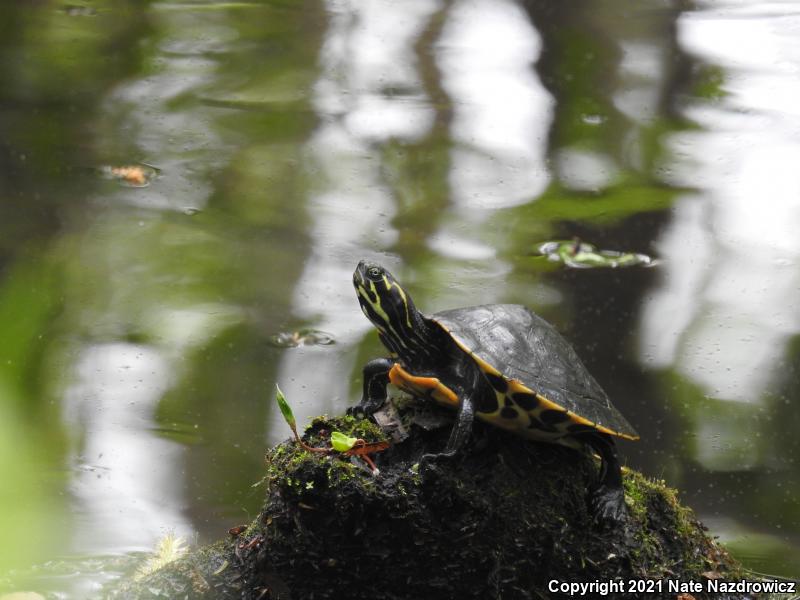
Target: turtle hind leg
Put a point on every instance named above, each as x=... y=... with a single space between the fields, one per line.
x=376 y=378
x=607 y=497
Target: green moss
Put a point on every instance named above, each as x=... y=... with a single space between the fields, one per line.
x=299 y=474
x=669 y=538
x=348 y=425
x=504 y=516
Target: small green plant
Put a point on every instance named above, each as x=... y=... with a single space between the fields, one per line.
x=286 y=410
x=344 y=444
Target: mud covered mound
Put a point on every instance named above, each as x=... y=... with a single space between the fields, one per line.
x=500 y=521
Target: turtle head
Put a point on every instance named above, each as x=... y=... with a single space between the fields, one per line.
x=388 y=306
x=382 y=299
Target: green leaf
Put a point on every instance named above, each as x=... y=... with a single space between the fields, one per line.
x=341 y=442
x=284 y=406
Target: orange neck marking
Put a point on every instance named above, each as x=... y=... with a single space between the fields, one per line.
x=422 y=386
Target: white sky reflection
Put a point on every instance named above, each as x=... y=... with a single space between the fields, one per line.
x=124 y=485
x=369 y=68
x=502 y=112
x=728 y=301
x=369 y=91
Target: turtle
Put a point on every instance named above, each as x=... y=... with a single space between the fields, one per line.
x=501 y=363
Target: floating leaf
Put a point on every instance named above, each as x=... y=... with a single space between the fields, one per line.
x=286 y=410
x=580 y=255
x=314 y=337
x=307 y=337
x=342 y=442
x=133 y=175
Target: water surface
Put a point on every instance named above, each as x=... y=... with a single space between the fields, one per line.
x=284 y=141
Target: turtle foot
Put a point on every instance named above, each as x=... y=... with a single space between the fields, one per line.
x=430 y=464
x=365 y=408
x=355 y=411
x=608 y=505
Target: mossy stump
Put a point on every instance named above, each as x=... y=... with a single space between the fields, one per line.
x=501 y=520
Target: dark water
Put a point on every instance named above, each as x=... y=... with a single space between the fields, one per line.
x=182 y=182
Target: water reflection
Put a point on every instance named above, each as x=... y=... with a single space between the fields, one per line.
x=130 y=485
x=731 y=284
x=501 y=111
x=124 y=484
x=446 y=140
x=724 y=316
x=643 y=68
x=171 y=139
x=369 y=92
x=370 y=75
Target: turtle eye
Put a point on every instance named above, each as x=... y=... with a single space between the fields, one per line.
x=374 y=272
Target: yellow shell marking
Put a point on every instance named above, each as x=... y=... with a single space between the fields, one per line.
x=431 y=387
x=520 y=425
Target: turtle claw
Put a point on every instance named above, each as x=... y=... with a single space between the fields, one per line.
x=365 y=408
x=427 y=463
x=430 y=463
x=608 y=505
x=355 y=411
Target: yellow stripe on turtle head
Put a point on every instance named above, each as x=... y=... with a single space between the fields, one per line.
x=385 y=321
x=393 y=284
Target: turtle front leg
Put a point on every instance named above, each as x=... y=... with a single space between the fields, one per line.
x=376 y=378
x=607 y=499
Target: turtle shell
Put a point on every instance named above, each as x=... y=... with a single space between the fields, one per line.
x=523 y=355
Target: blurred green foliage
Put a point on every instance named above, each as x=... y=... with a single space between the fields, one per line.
x=31 y=438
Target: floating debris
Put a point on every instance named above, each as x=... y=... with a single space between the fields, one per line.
x=306 y=337
x=581 y=255
x=130 y=175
